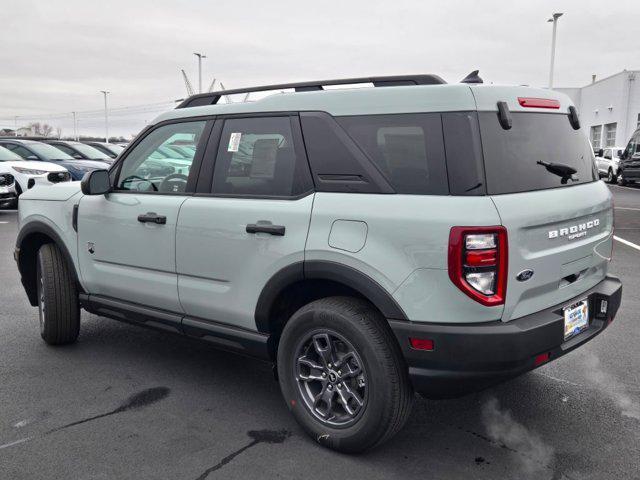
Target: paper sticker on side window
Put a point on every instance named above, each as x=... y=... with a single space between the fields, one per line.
x=234 y=142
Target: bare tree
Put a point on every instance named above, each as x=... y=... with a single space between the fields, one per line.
x=40 y=129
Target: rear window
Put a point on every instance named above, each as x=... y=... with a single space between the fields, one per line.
x=512 y=157
x=407 y=149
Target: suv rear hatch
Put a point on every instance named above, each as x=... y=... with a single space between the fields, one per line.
x=559 y=223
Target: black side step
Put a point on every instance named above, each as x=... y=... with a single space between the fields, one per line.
x=223 y=336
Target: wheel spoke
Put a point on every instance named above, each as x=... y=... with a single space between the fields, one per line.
x=314 y=370
x=350 y=400
x=323 y=347
x=349 y=366
x=324 y=397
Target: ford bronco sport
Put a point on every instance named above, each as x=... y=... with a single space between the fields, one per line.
x=408 y=236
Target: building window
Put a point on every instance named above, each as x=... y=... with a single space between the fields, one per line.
x=638 y=123
x=610 y=134
x=596 y=135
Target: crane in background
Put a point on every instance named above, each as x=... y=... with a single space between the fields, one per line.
x=189 y=87
x=187 y=83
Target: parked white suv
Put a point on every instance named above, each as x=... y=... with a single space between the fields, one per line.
x=608 y=161
x=27 y=173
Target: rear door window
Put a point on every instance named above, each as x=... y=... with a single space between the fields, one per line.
x=407 y=149
x=257 y=157
x=520 y=159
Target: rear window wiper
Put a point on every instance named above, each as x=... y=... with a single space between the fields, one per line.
x=565 y=172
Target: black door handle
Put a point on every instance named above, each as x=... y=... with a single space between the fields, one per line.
x=277 y=230
x=152 y=217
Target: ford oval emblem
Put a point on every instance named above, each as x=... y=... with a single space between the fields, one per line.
x=524 y=275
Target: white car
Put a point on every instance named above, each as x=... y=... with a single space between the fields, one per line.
x=8 y=196
x=607 y=161
x=27 y=173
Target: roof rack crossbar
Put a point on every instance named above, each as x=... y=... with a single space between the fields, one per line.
x=212 y=98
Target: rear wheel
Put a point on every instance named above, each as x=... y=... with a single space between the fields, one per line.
x=342 y=374
x=58 y=307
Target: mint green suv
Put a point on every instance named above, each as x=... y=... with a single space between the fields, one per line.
x=408 y=236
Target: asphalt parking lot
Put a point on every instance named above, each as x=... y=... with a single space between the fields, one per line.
x=129 y=403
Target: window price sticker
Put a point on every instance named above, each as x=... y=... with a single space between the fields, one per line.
x=234 y=142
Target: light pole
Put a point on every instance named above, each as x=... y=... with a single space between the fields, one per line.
x=200 y=57
x=106 y=116
x=553 y=19
x=75 y=127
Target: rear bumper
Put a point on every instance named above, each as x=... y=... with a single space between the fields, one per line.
x=468 y=358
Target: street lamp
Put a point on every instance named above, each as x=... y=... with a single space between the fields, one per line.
x=553 y=19
x=106 y=116
x=200 y=57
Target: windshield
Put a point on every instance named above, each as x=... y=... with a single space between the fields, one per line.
x=8 y=156
x=540 y=151
x=113 y=148
x=49 y=152
x=90 y=152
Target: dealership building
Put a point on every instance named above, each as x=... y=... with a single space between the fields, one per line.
x=609 y=108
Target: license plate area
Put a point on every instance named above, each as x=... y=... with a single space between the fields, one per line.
x=576 y=318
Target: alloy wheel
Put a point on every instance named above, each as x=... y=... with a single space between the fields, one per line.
x=331 y=378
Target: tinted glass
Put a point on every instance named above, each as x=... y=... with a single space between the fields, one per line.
x=90 y=152
x=464 y=153
x=512 y=157
x=8 y=155
x=49 y=152
x=145 y=171
x=399 y=145
x=114 y=148
x=257 y=156
x=67 y=150
x=20 y=151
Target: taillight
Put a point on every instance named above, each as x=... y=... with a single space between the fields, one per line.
x=478 y=262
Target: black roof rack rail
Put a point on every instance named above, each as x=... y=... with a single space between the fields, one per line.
x=212 y=98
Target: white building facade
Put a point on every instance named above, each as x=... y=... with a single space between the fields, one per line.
x=609 y=108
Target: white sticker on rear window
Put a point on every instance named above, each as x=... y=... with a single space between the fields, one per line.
x=234 y=142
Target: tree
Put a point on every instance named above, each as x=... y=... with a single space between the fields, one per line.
x=40 y=129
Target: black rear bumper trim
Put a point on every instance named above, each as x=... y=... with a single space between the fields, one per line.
x=471 y=357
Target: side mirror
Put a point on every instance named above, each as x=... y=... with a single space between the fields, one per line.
x=601 y=152
x=96 y=182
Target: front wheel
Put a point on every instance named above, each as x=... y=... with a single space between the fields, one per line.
x=621 y=178
x=611 y=178
x=342 y=374
x=58 y=307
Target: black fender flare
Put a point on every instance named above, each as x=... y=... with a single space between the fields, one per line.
x=27 y=268
x=325 y=270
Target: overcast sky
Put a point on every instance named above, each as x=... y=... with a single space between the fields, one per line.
x=56 y=56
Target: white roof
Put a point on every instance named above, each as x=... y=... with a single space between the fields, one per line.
x=383 y=100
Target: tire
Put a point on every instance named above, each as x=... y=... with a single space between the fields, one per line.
x=58 y=306
x=611 y=178
x=360 y=341
x=621 y=180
